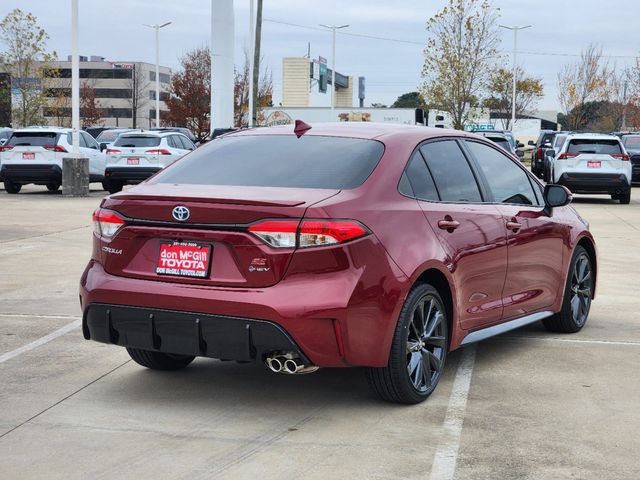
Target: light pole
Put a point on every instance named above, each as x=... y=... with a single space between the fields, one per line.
x=157 y=28
x=75 y=81
x=333 y=28
x=515 y=67
x=252 y=41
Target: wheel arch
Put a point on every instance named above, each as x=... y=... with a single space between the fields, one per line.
x=589 y=245
x=440 y=282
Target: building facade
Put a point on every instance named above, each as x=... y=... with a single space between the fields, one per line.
x=124 y=91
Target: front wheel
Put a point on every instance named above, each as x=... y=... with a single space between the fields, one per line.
x=159 y=360
x=577 y=296
x=418 y=351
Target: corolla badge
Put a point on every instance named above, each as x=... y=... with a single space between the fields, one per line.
x=180 y=213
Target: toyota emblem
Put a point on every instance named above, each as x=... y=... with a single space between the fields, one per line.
x=180 y=213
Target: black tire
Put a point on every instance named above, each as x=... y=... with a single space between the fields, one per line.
x=577 y=296
x=112 y=186
x=413 y=348
x=625 y=198
x=53 y=186
x=158 y=360
x=12 y=187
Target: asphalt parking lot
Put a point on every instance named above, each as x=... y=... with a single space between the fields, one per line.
x=525 y=405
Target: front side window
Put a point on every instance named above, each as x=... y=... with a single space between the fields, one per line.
x=451 y=172
x=508 y=182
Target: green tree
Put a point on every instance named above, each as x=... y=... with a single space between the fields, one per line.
x=409 y=100
x=459 y=56
x=529 y=91
x=26 y=59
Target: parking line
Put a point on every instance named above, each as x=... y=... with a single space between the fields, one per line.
x=444 y=461
x=567 y=340
x=41 y=341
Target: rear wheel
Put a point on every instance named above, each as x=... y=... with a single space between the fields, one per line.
x=418 y=351
x=53 y=186
x=158 y=360
x=12 y=187
x=577 y=296
x=112 y=186
x=625 y=198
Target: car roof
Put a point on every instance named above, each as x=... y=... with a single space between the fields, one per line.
x=592 y=136
x=150 y=133
x=44 y=129
x=364 y=130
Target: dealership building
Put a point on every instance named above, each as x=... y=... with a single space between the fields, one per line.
x=123 y=90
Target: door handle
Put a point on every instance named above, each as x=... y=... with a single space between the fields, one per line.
x=513 y=225
x=448 y=224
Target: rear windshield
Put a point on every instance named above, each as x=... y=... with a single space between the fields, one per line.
x=278 y=161
x=597 y=146
x=108 y=135
x=503 y=142
x=137 y=141
x=33 y=139
x=631 y=141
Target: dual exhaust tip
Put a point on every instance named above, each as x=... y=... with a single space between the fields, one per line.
x=289 y=363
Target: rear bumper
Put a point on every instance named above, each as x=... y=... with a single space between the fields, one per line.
x=130 y=174
x=184 y=333
x=595 y=182
x=22 y=173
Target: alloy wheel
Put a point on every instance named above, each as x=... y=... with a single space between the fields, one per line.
x=581 y=288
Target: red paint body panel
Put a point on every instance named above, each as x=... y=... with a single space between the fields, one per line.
x=340 y=304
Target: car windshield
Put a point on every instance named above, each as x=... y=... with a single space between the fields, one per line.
x=278 y=161
x=631 y=141
x=594 y=145
x=135 y=141
x=108 y=135
x=33 y=139
x=502 y=142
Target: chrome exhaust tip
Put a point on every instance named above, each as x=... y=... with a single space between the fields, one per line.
x=293 y=365
x=275 y=365
x=288 y=363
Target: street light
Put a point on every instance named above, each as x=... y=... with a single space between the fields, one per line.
x=157 y=28
x=333 y=28
x=515 y=66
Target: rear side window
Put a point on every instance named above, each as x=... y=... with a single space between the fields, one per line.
x=508 y=182
x=596 y=146
x=137 y=141
x=278 y=161
x=417 y=181
x=451 y=172
x=33 y=139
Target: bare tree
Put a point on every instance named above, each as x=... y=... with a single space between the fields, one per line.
x=256 y=62
x=583 y=82
x=241 y=94
x=459 y=56
x=139 y=86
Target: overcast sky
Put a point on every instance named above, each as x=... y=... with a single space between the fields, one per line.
x=560 y=30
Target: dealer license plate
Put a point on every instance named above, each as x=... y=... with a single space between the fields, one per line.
x=593 y=164
x=133 y=161
x=28 y=156
x=184 y=259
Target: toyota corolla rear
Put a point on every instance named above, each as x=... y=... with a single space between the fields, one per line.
x=230 y=254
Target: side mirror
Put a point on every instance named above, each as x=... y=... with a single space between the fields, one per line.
x=520 y=153
x=531 y=143
x=103 y=146
x=519 y=144
x=556 y=196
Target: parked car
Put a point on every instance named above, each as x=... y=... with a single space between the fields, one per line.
x=544 y=142
x=593 y=163
x=5 y=133
x=34 y=155
x=632 y=146
x=338 y=245
x=106 y=138
x=183 y=130
x=137 y=155
x=95 y=131
x=501 y=140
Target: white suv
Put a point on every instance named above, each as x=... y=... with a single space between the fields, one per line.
x=137 y=155
x=34 y=155
x=593 y=163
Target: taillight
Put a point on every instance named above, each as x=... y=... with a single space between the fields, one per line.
x=4 y=148
x=111 y=151
x=621 y=156
x=106 y=223
x=308 y=233
x=158 y=151
x=55 y=148
x=539 y=154
x=564 y=156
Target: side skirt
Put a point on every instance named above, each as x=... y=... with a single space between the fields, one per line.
x=493 y=330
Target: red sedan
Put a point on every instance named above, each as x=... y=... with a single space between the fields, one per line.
x=337 y=245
